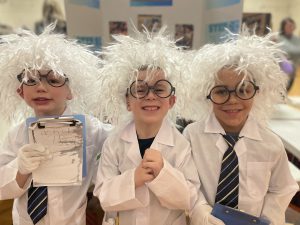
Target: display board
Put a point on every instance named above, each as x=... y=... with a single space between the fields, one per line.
x=196 y=22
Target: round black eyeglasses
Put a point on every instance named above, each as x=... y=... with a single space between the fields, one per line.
x=31 y=78
x=221 y=94
x=161 y=88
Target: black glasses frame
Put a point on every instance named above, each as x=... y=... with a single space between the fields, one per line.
x=21 y=76
x=129 y=90
x=256 y=88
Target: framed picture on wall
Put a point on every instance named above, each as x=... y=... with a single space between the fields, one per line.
x=117 y=27
x=185 y=33
x=151 y=22
x=262 y=21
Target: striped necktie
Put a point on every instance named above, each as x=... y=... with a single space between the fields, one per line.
x=228 y=186
x=37 y=203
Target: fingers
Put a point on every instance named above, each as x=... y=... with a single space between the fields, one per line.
x=150 y=165
x=215 y=221
x=148 y=177
x=30 y=157
x=142 y=175
x=34 y=150
x=153 y=160
x=151 y=155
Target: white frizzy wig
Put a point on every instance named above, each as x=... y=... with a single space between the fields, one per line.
x=27 y=51
x=124 y=58
x=256 y=58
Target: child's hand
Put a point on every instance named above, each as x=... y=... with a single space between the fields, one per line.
x=153 y=160
x=30 y=156
x=142 y=175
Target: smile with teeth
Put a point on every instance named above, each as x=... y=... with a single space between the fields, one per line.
x=150 y=108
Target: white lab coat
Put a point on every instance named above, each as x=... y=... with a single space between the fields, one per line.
x=66 y=205
x=160 y=202
x=266 y=184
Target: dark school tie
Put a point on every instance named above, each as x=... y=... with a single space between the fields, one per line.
x=228 y=186
x=37 y=203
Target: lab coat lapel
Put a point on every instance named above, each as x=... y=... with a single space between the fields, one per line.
x=129 y=136
x=212 y=125
x=250 y=131
x=164 y=136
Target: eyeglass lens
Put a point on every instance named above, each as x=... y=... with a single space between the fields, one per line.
x=140 y=89
x=33 y=77
x=244 y=91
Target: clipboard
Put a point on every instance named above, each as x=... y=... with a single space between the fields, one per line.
x=232 y=216
x=64 y=139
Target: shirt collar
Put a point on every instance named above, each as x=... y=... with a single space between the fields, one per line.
x=249 y=130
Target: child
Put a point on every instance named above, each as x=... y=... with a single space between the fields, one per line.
x=240 y=81
x=47 y=71
x=146 y=174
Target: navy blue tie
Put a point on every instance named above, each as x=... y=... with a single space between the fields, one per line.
x=228 y=185
x=37 y=203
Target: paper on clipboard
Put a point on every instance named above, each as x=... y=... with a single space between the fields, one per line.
x=63 y=138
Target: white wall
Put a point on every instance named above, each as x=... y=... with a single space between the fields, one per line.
x=295 y=14
x=18 y=13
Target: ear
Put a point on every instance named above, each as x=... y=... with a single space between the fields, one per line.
x=172 y=101
x=128 y=104
x=70 y=95
x=20 y=91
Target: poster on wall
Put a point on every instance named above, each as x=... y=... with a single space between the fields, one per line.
x=151 y=22
x=221 y=3
x=88 y=3
x=94 y=42
x=117 y=27
x=151 y=2
x=262 y=21
x=184 y=34
x=217 y=32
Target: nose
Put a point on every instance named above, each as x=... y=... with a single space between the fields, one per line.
x=232 y=96
x=41 y=85
x=151 y=94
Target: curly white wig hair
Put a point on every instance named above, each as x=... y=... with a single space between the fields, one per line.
x=25 y=50
x=253 y=57
x=122 y=61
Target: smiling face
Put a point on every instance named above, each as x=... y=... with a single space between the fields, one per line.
x=150 y=110
x=233 y=114
x=45 y=99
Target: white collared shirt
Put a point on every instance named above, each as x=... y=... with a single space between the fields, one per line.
x=266 y=184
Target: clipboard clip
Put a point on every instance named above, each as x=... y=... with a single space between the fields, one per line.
x=60 y=120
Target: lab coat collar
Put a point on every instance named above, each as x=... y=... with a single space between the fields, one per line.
x=250 y=130
x=164 y=136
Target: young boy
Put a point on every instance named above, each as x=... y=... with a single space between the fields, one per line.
x=146 y=174
x=240 y=81
x=47 y=71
